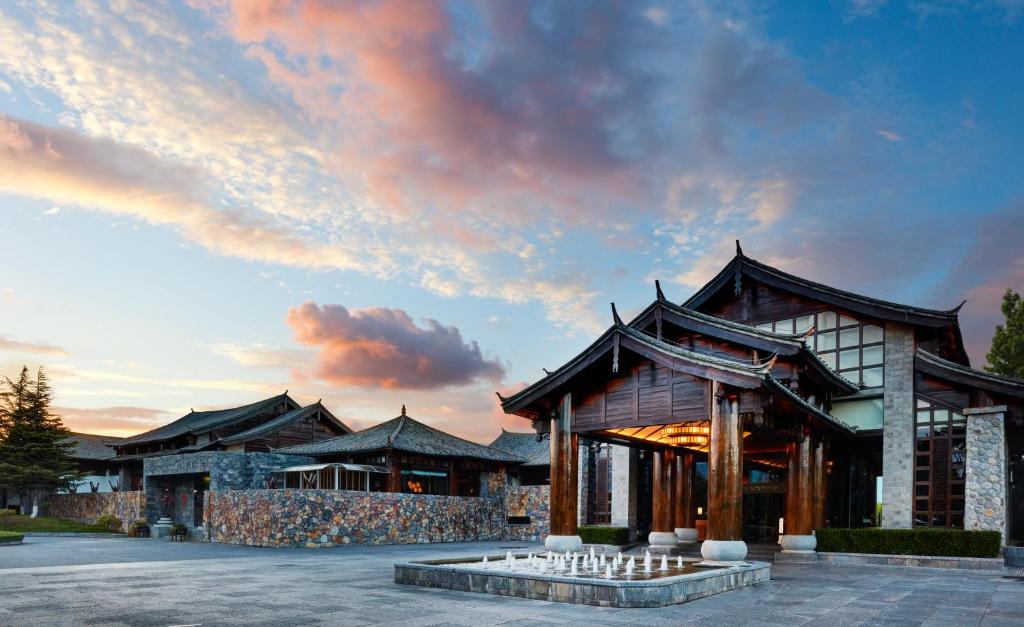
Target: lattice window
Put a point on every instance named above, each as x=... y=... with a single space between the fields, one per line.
x=940 y=465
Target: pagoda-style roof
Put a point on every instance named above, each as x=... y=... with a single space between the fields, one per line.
x=92 y=446
x=736 y=372
x=958 y=373
x=526 y=446
x=405 y=435
x=284 y=420
x=783 y=344
x=198 y=422
x=741 y=266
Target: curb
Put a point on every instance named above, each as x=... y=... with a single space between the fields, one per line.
x=70 y=534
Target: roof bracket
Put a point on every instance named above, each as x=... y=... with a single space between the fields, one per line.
x=738 y=279
x=615 y=353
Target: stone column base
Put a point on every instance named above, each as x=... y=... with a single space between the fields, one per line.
x=561 y=544
x=793 y=543
x=662 y=541
x=686 y=535
x=724 y=550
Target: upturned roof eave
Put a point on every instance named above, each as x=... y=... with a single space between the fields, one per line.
x=935 y=365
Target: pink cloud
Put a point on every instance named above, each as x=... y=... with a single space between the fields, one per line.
x=380 y=347
x=115 y=421
x=7 y=344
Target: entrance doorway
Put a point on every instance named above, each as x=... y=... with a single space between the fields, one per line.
x=761 y=514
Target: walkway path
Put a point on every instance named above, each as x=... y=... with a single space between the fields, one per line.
x=141 y=582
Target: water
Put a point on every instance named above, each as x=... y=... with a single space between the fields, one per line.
x=583 y=566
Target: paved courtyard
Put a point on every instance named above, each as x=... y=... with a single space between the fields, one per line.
x=81 y=581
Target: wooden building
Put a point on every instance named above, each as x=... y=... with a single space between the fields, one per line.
x=95 y=458
x=418 y=459
x=271 y=423
x=535 y=452
x=788 y=391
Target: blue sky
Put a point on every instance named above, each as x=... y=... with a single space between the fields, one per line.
x=378 y=203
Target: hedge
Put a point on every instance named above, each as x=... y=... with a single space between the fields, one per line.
x=921 y=541
x=10 y=537
x=604 y=535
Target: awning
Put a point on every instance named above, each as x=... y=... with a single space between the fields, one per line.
x=425 y=473
x=352 y=467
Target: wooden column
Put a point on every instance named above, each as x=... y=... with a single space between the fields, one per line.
x=564 y=462
x=725 y=468
x=684 y=511
x=792 y=488
x=800 y=488
x=820 y=485
x=394 y=473
x=453 y=479
x=661 y=492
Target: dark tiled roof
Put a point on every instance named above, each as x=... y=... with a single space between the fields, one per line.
x=936 y=365
x=407 y=435
x=284 y=420
x=92 y=446
x=202 y=421
x=525 y=446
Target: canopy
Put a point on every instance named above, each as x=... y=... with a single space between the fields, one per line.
x=353 y=467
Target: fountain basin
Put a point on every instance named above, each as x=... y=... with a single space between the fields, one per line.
x=655 y=589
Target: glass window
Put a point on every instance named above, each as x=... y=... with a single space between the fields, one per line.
x=873 y=377
x=924 y=417
x=827 y=320
x=829 y=359
x=940 y=466
x=784 y=326
x=803 y=323
x=849 y=359
x=924 y=445
x=845 y=321
x=921 y=490
x=849 y=337
x=872 y=356
x=765 y=326
x=941 y=415
x=921 y=404
x=826 y=341
x=921 y=475
x=872 y=334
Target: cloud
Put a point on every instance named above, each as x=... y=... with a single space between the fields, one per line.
x=260 y=355
x=7 y=344
x=889 y=135
x=116 y=421
x=380 y=347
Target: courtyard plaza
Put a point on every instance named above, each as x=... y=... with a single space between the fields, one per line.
x=121 y=581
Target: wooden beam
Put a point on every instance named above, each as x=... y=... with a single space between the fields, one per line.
x=564 y=466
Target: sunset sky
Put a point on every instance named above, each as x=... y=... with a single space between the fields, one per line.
x=206 y=203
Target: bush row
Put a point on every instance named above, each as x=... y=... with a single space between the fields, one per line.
x=924 y=541
x=604 y=535
x=10 y=536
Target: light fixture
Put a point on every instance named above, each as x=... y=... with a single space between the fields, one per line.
x=688 y=434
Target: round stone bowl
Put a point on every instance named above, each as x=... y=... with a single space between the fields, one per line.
x=798 y=543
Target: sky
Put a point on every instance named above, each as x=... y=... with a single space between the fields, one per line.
x=378 y=203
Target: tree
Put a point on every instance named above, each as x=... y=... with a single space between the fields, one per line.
x=1007 y=354
x=35 y=450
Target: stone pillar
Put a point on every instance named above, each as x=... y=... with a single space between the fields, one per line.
x=820 y=501
x=662 y=537
x=564 y=478
x=987 y=487
x=898 y=427
x=800 y=498
x=725 y=480
x=583 y=479
x=685 y=527
x=625 y=477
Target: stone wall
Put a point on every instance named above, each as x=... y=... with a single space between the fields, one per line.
x=87 y=508
x=327 y=518
x=987 y=488
x=532 y=501
x=898 y=427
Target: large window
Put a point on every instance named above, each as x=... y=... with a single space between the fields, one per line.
x=599 y=484
x=939 y=466
x=852 y=348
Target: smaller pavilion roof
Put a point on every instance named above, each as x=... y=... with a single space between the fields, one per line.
x=92 y=446
x=407 y=435
x=959 y=373
x=284 y=420
x=525 y=446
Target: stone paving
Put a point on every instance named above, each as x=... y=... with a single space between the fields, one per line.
x=120 y=581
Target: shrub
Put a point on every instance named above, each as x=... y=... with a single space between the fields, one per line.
x=604 y=535
x=920 y=541
x=113 y=523
x=10 y=537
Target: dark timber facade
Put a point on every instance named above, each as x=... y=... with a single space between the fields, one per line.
x=791 y=400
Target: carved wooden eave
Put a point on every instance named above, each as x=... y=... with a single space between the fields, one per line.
x=957 y=373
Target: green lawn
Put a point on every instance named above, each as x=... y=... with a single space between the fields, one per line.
x=45 y=523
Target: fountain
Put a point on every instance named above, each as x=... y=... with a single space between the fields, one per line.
x=596 y=579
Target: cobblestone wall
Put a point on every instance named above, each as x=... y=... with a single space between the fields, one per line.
x=532 y=501
x=87 y=508
x=986 y=485
x=898 y=427
x=327 y=518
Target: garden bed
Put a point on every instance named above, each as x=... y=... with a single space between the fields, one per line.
x=10 y=537
x=47 y=524
x=911 y=542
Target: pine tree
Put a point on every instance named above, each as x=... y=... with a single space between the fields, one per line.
x=1007 y=354
x=35 y=452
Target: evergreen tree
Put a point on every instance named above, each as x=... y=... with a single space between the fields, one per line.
x=1007 y=354
x=35 y=452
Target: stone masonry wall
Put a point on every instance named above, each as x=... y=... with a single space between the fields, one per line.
x=533 y=501
x=87 y=508
x=987 y=488
x=327 y=518
x=898 y=427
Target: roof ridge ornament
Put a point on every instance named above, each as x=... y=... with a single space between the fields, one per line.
x=660 y=295
x=501 y=398
x=959 y=307
x=546 y=371
x=403 y=409
x=739 y=249
x=615 y=315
